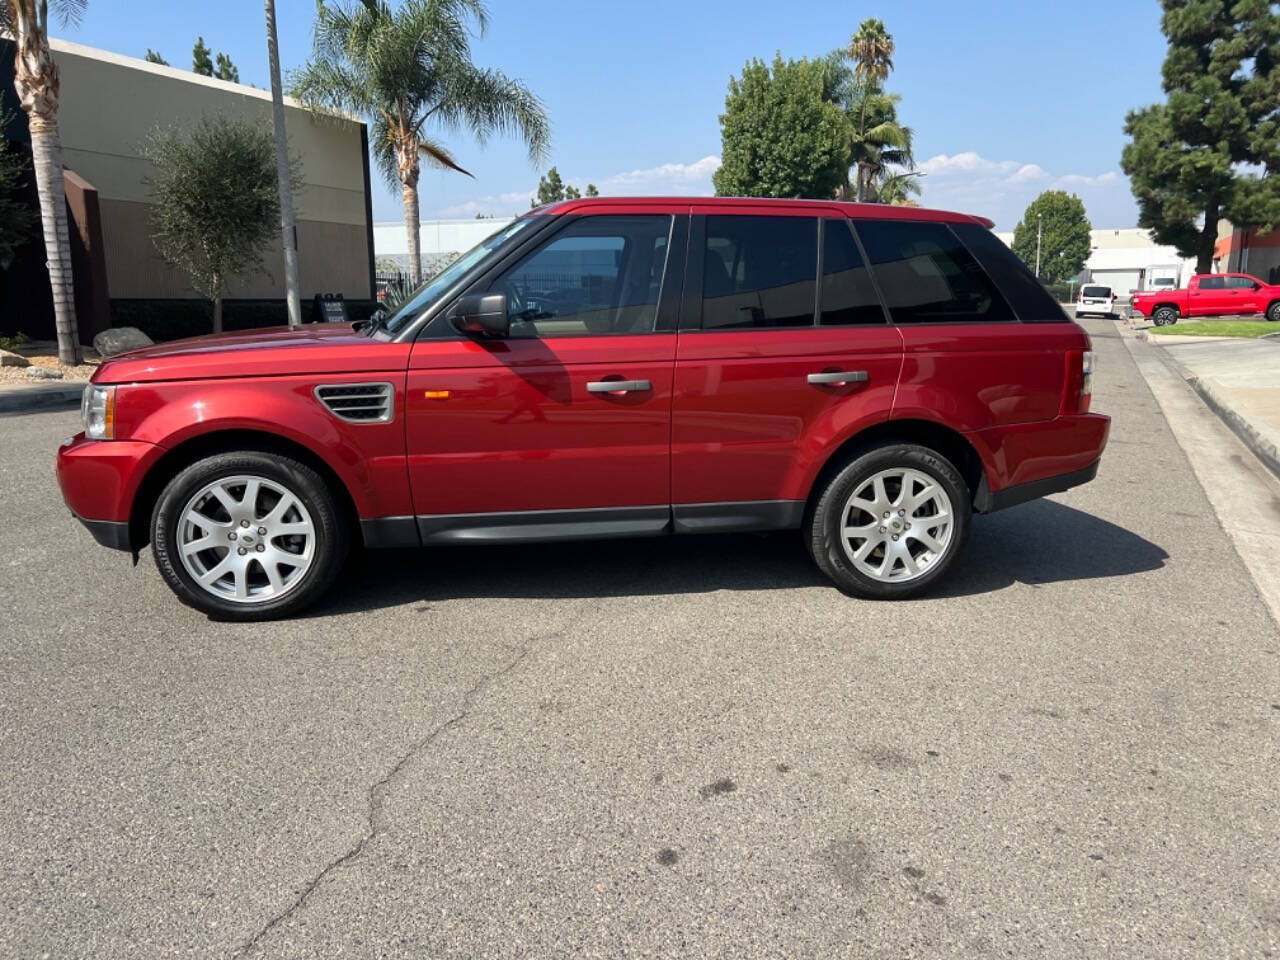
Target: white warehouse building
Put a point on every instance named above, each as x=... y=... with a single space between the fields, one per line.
x=440 y=241
x=1126 y=258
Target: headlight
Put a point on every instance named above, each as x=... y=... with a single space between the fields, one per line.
x=98 y=411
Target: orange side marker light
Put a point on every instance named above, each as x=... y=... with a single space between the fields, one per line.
x=437 y=394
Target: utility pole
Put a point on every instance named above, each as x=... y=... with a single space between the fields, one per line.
x=1039 y=234
x=288 y=228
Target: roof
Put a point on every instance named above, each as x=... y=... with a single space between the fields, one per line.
x=875 y=211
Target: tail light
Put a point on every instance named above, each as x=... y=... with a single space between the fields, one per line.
x=1077 y=393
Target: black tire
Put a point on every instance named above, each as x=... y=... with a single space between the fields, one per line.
x=332 y=537
x=1165 y=316
x=822 y=531
x=1273 y=312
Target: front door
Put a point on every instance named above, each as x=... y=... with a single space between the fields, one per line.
x=1243 y=295
x=772 y=365
x=561 y=429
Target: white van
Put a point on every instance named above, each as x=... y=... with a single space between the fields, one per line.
x=1096 y=298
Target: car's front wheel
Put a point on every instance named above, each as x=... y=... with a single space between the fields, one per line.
x=248 y=536
x=891 y=522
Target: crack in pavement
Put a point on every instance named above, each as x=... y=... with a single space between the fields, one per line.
x=378 y=793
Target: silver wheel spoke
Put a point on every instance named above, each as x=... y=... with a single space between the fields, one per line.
x=273 y=575
x=241 y=575
x=250 y=498
x=219 y=570
x=204 y=543
x=229 y=503
x=280 y=509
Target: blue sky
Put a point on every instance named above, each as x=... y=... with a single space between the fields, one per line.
x=1006 y=99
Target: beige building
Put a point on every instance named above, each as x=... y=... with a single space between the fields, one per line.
x=111 y=103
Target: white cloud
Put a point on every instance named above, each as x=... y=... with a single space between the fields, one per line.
x=1001 y=189
x=498 y=205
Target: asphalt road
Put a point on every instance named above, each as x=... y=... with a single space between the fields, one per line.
x=690 y=748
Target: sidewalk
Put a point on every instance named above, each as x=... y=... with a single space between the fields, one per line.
x=1240 y=380
x=38 y=396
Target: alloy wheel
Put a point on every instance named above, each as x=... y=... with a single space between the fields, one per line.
x=896 y=525
x=246 y=539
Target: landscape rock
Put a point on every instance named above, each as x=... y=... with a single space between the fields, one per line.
x=44 y=373
x=8 y=359
x=119 y=339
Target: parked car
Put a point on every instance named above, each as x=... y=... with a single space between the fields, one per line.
x=600 y=368
x=1208 y=295
x=1096 y=299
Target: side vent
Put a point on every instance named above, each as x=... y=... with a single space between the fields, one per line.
x=358 y=402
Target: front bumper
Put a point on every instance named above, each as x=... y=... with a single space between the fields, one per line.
x=99 y=480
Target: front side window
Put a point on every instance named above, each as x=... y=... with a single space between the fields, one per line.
x=599 y=275
x=1240 y=283
x=927 y=276
x=759 y=272
x=848 y=296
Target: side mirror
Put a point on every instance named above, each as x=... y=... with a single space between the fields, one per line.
x=481 y=313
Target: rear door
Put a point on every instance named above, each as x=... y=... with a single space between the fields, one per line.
x=1207 y=296
x=784 y=348
x=524 y=436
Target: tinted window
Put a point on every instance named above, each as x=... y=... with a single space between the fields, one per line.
x=1013 y=278
x=1212 y=283
x=847 y=294
x=927 y=276
x=599 y=275
x=1239 y=283
x=1101 y=293
x=759 y=272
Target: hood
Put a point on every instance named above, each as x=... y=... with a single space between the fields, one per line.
x=274 y=351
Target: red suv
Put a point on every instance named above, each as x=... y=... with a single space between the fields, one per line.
x=869 y=375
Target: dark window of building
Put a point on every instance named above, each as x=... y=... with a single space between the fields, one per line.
x=848 y=296
x=759 y=272
x=927 y=276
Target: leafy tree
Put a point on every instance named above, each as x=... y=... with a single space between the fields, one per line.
x=592 y=191
x=215 y=200
x=572 y=193
x=38 y=87
x=872 y=50
x=1064 y=240
x=780 y=135
x=1212 y=149
x=226 y=70
x=16 y=217
x=880 y=147
x=154 y=56
x=409 y=71
x=201 y=61
x=550 y=189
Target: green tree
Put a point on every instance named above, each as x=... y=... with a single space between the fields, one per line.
x=880 y=147
x=780 y=135
x=153 y=56
x=572 y=193
x=1212 y=149
x=409 y=71
x=1059 y=219
x=16 y=217
x=36 y=81
x=225 y=69
x=214 y=200
x=592 y=191
x=872 y=49
x=201 y=61
x=550 y=189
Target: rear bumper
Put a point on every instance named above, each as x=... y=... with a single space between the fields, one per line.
x=1023 y=492
x=1029 y=460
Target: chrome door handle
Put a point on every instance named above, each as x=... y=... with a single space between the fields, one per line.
x=618 y=386
x=840 y=376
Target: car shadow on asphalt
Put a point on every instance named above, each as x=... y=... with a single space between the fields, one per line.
x=1037 y=543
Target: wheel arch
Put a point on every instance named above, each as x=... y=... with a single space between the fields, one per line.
x=213 y=442
x=947 y=441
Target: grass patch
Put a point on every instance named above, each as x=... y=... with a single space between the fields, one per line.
x=1219 y=328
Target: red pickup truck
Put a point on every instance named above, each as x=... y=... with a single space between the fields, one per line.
x=1208 y=295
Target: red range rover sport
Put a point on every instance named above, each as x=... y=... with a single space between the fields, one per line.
x=871 y=376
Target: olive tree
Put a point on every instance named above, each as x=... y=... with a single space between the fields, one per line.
x=215 y=200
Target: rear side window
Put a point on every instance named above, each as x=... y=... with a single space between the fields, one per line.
x=848 y=296
x=1024 y=293
x=927 y=276
x=1212 y=283
x=759 y=272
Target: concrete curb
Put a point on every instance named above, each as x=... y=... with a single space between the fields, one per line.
x=33 y=399
x=1260 y=441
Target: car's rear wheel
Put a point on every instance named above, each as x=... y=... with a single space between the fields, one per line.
x=1165 y=316
x=1273 y=312
x=891 y=522
x=248 y=536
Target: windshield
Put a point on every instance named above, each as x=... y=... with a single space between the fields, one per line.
x=422 y=298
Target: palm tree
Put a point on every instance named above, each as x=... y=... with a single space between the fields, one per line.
x=288 y=229
x=36 y=81
x=409 y=71
x=878 y=143
x=899 y=189
x=872 y=49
